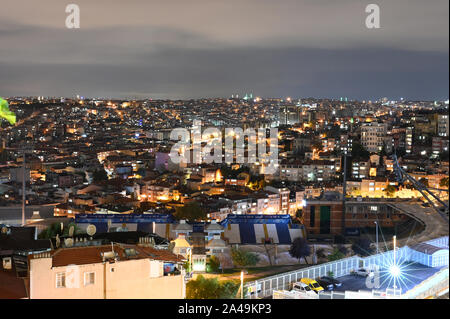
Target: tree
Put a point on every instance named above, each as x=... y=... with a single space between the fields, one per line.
x=100 y=175
x=186 y=264
x=243 y=258
x=190 y=211
x=51 y=231
x=342 y=249
x=76 y=229
x=213 y=264
x=390 y=190
x=336 y=255
x=211 y=288
x=300 y=248
x=362 y=247
x=443 y=182
x=320 y=253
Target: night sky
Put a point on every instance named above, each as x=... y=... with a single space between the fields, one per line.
x=208 y=48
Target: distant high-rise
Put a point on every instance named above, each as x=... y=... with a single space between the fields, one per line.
x=289 y=114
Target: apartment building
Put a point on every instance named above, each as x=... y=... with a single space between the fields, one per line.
x=373 y=136
x=106 y=272
x=442 y=125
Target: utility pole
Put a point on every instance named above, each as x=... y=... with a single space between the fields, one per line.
x=23 y=189
x=344 y=192
x=24 y=150
x=376 y=229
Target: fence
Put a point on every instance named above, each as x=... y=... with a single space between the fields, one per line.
x=283 y=294
x=431 y=286
x=265 y=287
x=387 y=258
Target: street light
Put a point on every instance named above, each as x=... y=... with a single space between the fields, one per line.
x=395 y=270
x=242 y=284
x=376 y=230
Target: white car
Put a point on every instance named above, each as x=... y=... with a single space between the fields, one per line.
x=304 y=289
x=363 y=272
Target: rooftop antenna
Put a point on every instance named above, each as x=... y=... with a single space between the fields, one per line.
x=71 y=230
x=58 y=241
x=24 y=150
x=68 y=242
x=91 y=230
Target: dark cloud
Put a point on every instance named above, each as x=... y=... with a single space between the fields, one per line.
x=205 y=48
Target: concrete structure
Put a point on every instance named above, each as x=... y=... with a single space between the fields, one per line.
x=105 y=272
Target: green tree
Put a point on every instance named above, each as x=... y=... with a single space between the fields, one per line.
x=76 y=229
x=190 y=211
x=228 y=289
x=186 y=264
x=320 y=253
x=300 y=249
x=51 y=231
x=335 y=255
x=243 y=258
x=211 y=288
x=213 y=264
x=390 y=190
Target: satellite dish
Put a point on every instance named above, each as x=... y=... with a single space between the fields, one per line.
x=68 y=242
x=71 y=230
x=91 y=230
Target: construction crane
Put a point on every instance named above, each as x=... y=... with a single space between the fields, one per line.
x=426 y=192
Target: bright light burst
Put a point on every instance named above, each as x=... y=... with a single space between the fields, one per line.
x=397 y=274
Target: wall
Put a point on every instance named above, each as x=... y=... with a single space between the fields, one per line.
x=129 y=279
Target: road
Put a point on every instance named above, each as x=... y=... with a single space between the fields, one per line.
x=435 y=226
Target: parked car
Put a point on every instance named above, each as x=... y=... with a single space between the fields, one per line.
x=363 y=272
x=325 y=284
x=304 y=289
x=329 y=283
x=314 y=285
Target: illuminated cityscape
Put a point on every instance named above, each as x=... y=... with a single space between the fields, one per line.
x=230 y=189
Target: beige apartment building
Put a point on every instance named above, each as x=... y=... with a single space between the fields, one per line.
x=106 y=272
x=373 y=136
